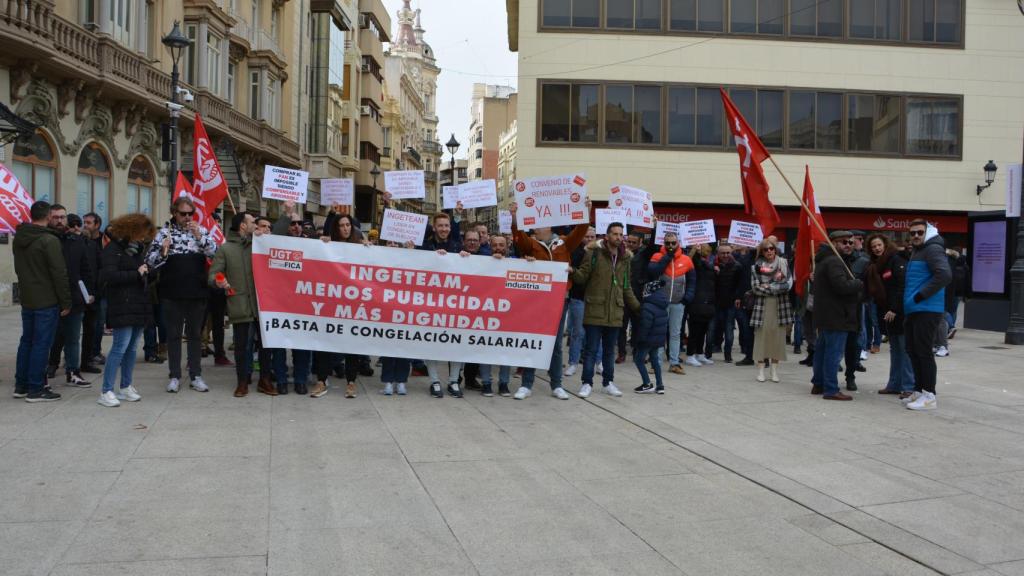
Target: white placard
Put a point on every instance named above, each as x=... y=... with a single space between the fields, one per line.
x=745 y=234
x=782 y=247
x=478 y=194
x=697 y=232
x=402 y=227
x=85 y=292
x=285 y=184
x=664 y=228
x=504 y=222
x=551 y=201
x=605 y=216
x=449 y=197
x=403 y=184
x=337 y=191
x=1013 y=185
x=637 y=204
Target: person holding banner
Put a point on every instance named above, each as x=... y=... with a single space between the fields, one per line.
x=499 y=250
x=676 y=269
x=179 y=252
x=290 y=223
x=394 y=372
x=770 y=282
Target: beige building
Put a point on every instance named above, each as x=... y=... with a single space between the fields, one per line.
x=896 y=111
x=507 y=159
x=492 y=110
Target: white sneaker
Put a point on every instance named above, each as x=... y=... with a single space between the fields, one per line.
x=388 y=390
x=863 y=355
x=925 y=402
x=560 y=393
x=108 y=399
x=942 y=352
x=172 y=386
x=129 y=394
x=198 y=385
x=705 y=360
x=599 y=368
x=585 y=391
x=401 y=389
x=523 y=393
x=570 y=370
x=912 y=398
x=692 y=361
x=611 y=390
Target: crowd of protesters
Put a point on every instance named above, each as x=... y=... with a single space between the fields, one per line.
x=173 y=286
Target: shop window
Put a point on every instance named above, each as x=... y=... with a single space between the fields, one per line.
x=35 y=166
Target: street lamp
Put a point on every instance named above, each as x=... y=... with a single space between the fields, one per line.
x=453 y=147
x=990 y=176
x=176 y=42
x=375 y=172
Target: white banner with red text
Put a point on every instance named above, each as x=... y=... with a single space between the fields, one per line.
x=418 y=304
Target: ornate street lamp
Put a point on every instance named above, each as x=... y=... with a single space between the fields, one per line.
x=176 y=42
x=375 y=172
x=453 y=147
x=990 y=175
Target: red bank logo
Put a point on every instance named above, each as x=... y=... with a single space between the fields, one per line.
x=286 y=259
x=519 y=280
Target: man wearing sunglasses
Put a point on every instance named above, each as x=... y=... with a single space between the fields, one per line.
x=924 y=303
x=179 y=253
x=837 y=296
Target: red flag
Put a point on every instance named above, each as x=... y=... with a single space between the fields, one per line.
x=752 y=153
x=15 y=202
x=183 y=188
x=211 y=187
x=808 y=236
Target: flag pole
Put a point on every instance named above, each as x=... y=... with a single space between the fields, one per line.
x=807 y=209
x=232 y=203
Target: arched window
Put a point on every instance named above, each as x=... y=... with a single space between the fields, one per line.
x=140 y=187
x=35 y=165
x=94 y=182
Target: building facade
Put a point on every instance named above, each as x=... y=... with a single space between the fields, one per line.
x=507 y=159
x=492 y=110
x=892 y=104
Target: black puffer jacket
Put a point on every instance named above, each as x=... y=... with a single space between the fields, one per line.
x=76 y=257
x=727 y=282
x=127 y=293
x=837 y=296
x=702 y=307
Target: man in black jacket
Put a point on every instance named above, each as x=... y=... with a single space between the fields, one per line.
x=92 y=321
x=727 y=283
x=837 y=295
x=81 y=282
x=745 y=259
x=643 y=249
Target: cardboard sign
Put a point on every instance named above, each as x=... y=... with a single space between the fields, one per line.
x=636 y=203
x=449 y=197
x=402 y=227
x=745 y=234
x=551 y=201
x=697 y=232
x=605 y=216
x=285 y=184
x=478 y=194
x=504 y=222
x=665 y=228
x=404 y=184
x=337 y=191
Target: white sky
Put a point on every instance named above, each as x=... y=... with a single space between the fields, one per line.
x=470 y=41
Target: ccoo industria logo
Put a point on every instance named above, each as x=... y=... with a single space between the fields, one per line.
x=286 y=259
x=519 y=280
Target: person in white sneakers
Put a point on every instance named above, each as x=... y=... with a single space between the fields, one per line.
x=924 y=295
x=124 y=278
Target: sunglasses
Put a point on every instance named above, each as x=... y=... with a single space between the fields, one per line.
x=917 y=232
x=769 y=249
x=296 y=224
x=846 y=242
x=189 y=213
x=671 y=244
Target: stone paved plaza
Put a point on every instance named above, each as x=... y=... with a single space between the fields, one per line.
x=722 y=475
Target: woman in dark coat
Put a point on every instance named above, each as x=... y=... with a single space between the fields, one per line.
x=701 y=310
x=124 y=278
x=885 y=278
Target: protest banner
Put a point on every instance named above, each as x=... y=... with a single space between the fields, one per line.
x=745 y=234
x=605 y=216
x=504 y=222
x=285 y=184
x=697 y=232
x=478 y=194
x=551 y=201
x=449 y=197
x=341 y=297
x=337 y=191
x=636 y=203
x=404 y=184
x=664 y=228
x=403 y=227
x=15 y=202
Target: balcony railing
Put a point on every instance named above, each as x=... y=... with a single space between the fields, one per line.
x=263 y=41
x=414 y=153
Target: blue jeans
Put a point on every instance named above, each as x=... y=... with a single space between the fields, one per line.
x=504 y=374
x=394 y=370
x=951 y=314
x=122 y=355
x=302 y=363
x=901 y=371
x=798 y=334
x=607 y=336
x=725 y=321
x=640 y=358
x=675 y=332
x=828 y=352
x=38 y=328
x=575 y=328
x=555 y=368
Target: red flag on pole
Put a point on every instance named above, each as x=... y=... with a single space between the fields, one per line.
x=183 y=188
x=211 y=187
x=15 y=202
x=752 y=152
x=808 y=236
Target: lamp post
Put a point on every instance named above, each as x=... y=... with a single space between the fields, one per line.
x=375 y=172
x=176 y=42
x=453 y=147
x=990 y=176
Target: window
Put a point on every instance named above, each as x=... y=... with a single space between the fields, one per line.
x=254 y=94
x=35 y=166
x=757 y=16
x=769 y=117
x=816 y=18
x=814 y=120
x=273 y=105
x=633 y=14
x=647 y=120
x=697 y=15
x=254 y=14
x=933 y=126
x=232 y=88
x=875 y=19
x=709 y=117
x=141 y=184
x=934 y=20
x=275 y=23
x=479 y=172
x=618 y=113
x=189 y=66
x=571 y=13
x=585 y=111
x=93 y=185
x=829 y=121
x=681 y=124
x=874 y=123
x=121 y=15
x=479 y=153
x=570 y=112
x=213 y=67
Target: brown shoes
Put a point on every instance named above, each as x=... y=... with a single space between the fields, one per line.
x=350 y=390
x=875 y=349
x=838 y=396
x=242 y=390
x=265 y=386
x=319 y=390
x=677 y=369
x=816 y=390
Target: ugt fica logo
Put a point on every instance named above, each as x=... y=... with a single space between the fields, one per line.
x=285 y=259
